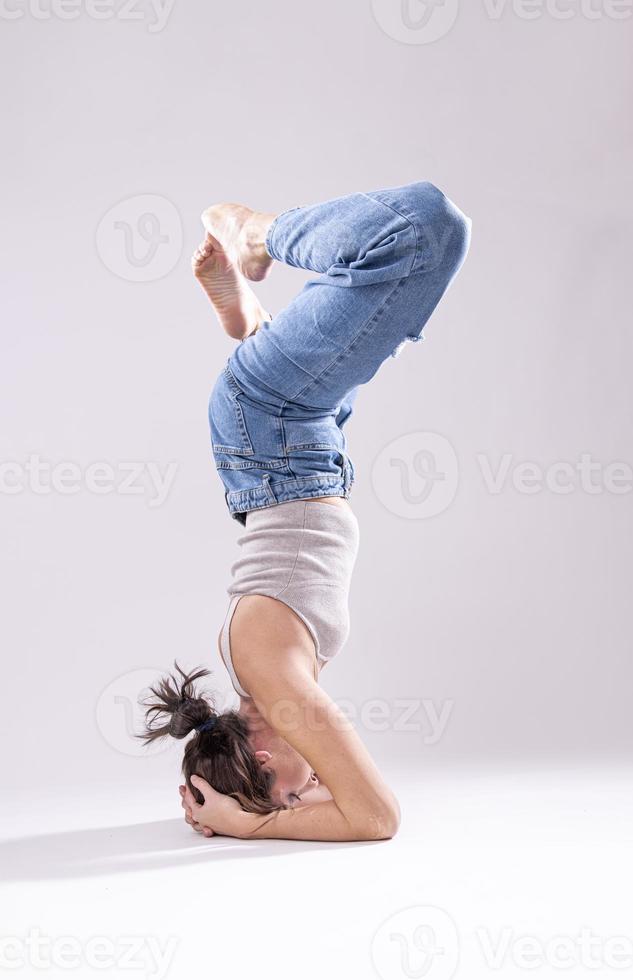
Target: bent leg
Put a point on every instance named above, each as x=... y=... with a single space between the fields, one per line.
x=346 y=408
x=384 y=260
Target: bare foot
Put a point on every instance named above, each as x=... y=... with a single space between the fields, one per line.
x=234 y=301
x=242 y=234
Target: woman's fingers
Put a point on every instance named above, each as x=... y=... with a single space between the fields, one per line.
x=198 y=827
x=189 y=818
x=203 y=787
x=192 y=808
x=188 y=800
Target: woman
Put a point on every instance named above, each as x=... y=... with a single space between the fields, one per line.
x=383 y=261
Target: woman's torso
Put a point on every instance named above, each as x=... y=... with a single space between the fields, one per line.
x=301 y=553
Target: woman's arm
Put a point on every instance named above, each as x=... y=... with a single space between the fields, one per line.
x=273 y=667
x=317 y=821
x=362 y=805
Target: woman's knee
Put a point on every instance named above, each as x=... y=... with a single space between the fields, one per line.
x=443 y=230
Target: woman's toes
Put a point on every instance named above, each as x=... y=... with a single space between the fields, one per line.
x=212 y=242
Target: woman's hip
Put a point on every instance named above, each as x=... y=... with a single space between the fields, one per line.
x=267 y=453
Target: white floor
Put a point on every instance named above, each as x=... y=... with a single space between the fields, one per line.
x=493 y=874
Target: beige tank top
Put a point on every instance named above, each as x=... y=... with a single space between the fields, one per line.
x=301 y=552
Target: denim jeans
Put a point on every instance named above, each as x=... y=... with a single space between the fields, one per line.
x=383 y=261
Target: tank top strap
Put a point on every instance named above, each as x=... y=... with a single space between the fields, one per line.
x=225 y=646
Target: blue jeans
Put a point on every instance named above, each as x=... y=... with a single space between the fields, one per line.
x=383 y=261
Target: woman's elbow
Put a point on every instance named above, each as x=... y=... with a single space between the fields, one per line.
x=391 y=823
x=382 y=823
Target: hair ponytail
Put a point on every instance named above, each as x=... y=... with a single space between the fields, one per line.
x=177 y=708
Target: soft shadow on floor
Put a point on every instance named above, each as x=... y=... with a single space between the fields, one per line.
x=135 y=847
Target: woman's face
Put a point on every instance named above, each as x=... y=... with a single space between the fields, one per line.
x=293 y=775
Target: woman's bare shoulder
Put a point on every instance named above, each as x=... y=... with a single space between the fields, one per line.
x=265 y=634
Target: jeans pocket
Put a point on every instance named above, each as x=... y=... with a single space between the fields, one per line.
x=229 y=433
x=314 y=446
x=309 y=462
x=312 y=433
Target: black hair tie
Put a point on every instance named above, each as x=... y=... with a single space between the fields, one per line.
x=207 y=725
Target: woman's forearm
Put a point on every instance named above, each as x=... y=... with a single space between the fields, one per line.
x=319 y=821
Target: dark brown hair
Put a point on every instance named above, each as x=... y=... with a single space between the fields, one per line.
x=222 y=755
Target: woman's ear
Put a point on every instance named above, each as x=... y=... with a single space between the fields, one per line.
x=263 y=756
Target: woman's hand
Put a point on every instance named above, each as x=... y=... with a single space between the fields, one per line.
x=199 y=829
x=219 y=814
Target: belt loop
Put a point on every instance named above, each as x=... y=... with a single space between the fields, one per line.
x=269 y=492
x=347 y=472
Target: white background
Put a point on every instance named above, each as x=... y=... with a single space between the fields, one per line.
x=510 y=610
